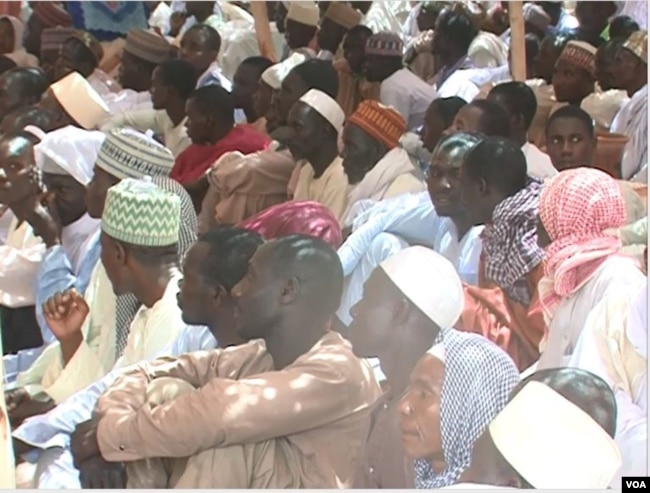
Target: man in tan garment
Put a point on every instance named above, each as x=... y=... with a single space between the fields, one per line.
x=314 y=125
x=298 y=423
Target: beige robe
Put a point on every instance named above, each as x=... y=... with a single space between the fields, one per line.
x=310 y=416
x=330 y=189
x=383 y=464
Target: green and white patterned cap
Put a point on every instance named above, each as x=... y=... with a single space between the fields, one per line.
x=140 y=213
x=127 y=153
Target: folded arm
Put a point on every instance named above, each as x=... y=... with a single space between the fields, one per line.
x=227 y=412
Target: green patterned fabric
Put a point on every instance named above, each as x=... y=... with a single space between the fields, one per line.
x=140 y=213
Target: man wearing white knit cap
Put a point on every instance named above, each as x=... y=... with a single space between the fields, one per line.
x=406 y=301
x=315 y=122
x=555 y=433
x=72 y=101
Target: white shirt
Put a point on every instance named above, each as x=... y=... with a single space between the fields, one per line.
x=613 y=345
x=632 y=120
x=409 y=95
x=616 y=275
x=459 y=84
x=391 y=226
x=539 y=163
x=325 y=55
x=19 y=262
x=126 y=100
x=159 y=18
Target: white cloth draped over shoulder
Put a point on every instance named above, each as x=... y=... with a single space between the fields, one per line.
x=393 y=175
x=387 y=227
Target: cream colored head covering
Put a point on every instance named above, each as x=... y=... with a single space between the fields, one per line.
x=304 y=12
x=429 y=281
x=275 y=74
x=552 y=443
x=69 y=151
x=327 y=107
x=343 y=15
x=80 y=100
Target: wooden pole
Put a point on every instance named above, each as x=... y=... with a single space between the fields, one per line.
x=517 y=41
x=263 y=30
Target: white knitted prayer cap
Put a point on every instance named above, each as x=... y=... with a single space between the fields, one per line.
x=429 y=281
x=327 y=107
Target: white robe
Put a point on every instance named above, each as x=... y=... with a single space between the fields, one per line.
x=459 y=84
x=409 y=95
x=632 y=120
x=388 y=227
x=617 y=275
x=175 y=137
x=538 y=163
x=614 y=346
x=152 y=330
x=387 y=15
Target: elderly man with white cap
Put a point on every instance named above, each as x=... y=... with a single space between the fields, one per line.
x=555 y=433
x=406 y=301
x=315 y=123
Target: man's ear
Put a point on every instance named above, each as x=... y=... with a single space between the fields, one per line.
x=290 y=291
x=483 y=186
x=218 y=294
x=121 y=254
x=402 y=313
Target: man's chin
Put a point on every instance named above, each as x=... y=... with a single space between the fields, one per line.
x=445 y=209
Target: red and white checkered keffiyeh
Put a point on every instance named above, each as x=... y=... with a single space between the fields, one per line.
x=576 y=207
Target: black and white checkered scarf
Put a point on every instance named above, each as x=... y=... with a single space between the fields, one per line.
x=478 y=379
